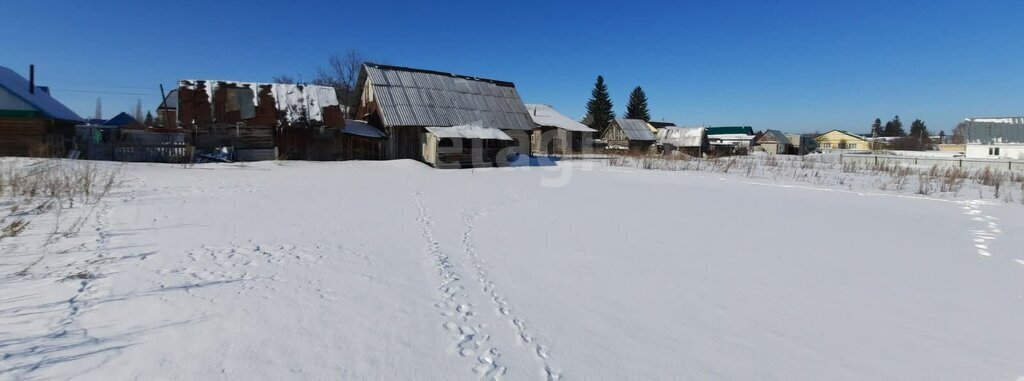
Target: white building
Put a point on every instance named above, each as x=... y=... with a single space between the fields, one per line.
x=994 y=138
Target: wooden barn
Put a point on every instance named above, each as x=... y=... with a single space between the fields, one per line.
x=263 y=121
x=459 y=111
x=557 y=134
x=32 y=123
x=629 y=134
x=692 y=141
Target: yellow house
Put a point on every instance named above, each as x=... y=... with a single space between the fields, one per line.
x=841 y=140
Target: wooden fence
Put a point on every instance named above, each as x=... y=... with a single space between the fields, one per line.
x=926 y=161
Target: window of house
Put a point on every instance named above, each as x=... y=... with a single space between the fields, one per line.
x=993 y=151
x=851 y=146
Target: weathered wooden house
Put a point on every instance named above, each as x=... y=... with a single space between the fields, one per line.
x=167 y=112
x=692 y=141
x=774 y=142
x=263 y=121
x=629 y=134
x=557 y=134
x=420 y=109
x=801 y=144
x=32 y=123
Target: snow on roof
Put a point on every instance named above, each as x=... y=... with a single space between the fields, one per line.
x=635 y=129
x=474 y=130
x=295 y=101
x=545 y=115
x=40 y=99
x=361 y=128
x=1003 y=119
x=681 y=136
x=415 y=97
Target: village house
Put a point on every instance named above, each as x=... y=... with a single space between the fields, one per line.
x=263 y=121
x=124 y=121
x=801 y=144
x=167 y=112
x=656 y=126
x=33 y=123
x=692 y=141
x=444 y=119
x=730 y=140
x=991 y=138
x=633 y=135
x=774 y=142
x=557 y=134
x=838 y=140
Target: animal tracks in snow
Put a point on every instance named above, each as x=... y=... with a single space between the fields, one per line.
x=989 y=230
x=501 y=304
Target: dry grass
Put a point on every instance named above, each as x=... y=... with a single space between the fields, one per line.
x=829 y=171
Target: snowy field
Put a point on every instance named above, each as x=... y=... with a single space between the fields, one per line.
x=392 y=270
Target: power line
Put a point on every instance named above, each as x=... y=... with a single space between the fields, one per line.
x=97 y=92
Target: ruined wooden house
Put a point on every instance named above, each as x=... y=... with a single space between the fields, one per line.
x=443 y=119
x=557 y=134
x=32 y=123
x=263 y=121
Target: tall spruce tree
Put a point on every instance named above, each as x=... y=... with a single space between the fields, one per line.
x=894 y=128
x=919 y=133
x=876 y=128
x=637 y=106
x=149 y=119
x=599 y=107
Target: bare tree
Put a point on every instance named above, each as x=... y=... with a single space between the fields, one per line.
x=284 y=79
x=342 y=73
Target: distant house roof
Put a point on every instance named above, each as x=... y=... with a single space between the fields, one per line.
x=122 y=119
x=635 y=129
x=361 y=128
x=774 y=136
x=998 y=119
x=545 y=115
x=475 y=130
x=681 y=136
x=993 y=133
x=415 y=97
x=171 y=102
x=40 y=99
x=732 y=130
x=842 y=132
x=660 y=125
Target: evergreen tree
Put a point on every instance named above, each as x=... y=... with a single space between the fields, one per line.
x=149 y=119
x=876 y=128
x=637 y=106
x=137 y=113
x=919 y=132
x=894 y=128
x=599 y=107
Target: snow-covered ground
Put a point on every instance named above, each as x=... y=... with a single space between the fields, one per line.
x=391 y=270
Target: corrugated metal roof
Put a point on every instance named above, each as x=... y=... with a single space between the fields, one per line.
x=635 y=129
x=775 y=136
x=475 y=130
x=413 y=97
x=39 y=99
x=545 y=115
x=361 y=128
x=994 y=133
x=681 y=136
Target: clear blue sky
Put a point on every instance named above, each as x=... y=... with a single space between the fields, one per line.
x=798 y=66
